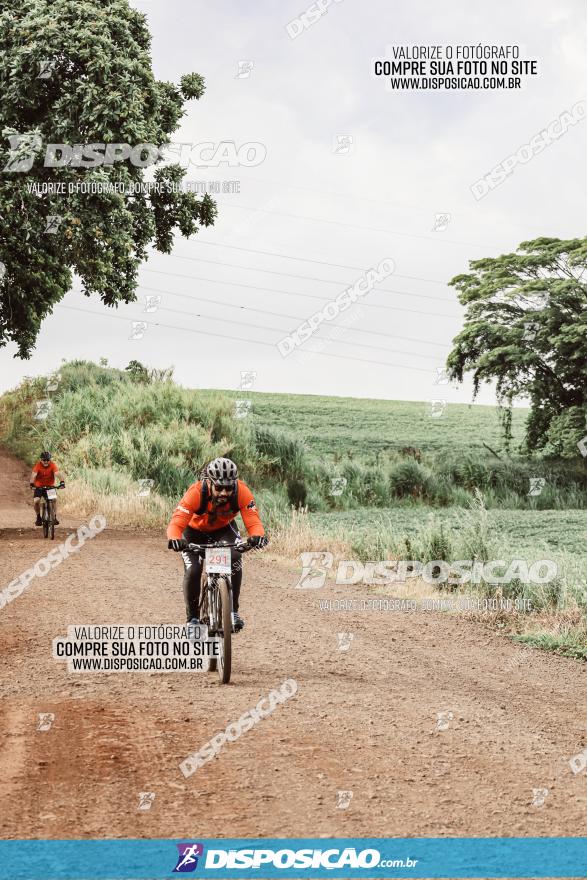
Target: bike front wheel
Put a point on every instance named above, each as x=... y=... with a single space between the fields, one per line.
x=51 y=515
x=211 y=663
x=45 y=518
x=225 y=620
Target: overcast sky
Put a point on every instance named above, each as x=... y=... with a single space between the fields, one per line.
x=314 y=211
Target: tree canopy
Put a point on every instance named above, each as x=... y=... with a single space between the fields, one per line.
x=526 y=329
x=79 y=72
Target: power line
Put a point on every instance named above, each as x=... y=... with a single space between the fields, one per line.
x=298 y=318
x=353 y=225
x=293 y=293
x=310 y=278
x=235 y=247
x=282 y=331
x=242 y=339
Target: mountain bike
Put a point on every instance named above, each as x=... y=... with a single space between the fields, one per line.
x=48 y=510
x=215 y=609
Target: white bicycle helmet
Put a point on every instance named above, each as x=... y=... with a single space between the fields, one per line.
x=222 y=472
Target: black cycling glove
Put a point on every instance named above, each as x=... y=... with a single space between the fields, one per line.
x=177 y=544
x=258 y=541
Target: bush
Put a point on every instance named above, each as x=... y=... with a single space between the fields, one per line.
x=297 y=493
x=408 y=478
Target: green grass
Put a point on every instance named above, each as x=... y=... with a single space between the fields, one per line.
x=373 y=444
x=361 y=428
x=551 y=530
x=568 y=644
x=454 y=500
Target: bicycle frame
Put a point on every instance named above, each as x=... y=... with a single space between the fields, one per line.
x=215 y=609
x=47 y=512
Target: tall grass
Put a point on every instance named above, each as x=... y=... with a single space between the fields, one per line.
x=111 y=429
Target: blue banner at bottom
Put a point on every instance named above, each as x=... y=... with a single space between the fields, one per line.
x=336 y=858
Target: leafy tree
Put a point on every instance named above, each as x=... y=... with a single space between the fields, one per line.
x=137 y=371
x=526 y=329
x=79 y=72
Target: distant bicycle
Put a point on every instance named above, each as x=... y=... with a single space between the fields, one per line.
x=215 y=609
x=48 y=510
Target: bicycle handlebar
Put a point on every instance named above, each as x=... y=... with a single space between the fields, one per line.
x=49 y=487
x=240 y=548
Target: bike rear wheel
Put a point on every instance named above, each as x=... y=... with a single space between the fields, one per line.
x=225 y=619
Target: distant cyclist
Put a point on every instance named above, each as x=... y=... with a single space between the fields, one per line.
x=204 y=515
x=43 y=477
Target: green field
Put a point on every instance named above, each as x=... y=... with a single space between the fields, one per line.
x=525 y=530
x=361 y=428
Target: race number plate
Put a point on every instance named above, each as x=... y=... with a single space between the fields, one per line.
x=51 y=494
x=218 y=561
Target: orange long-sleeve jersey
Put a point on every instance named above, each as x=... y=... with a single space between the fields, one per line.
x=45 y=474
x=215 y=517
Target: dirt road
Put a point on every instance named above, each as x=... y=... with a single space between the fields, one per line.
x=363 y=721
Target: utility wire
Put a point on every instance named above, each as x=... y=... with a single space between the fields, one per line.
x=242 y=339
x=293 y=293
x=235 y=247
x=298 y=318
x=311 y=278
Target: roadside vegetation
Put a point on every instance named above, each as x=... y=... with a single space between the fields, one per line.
x=130 y=442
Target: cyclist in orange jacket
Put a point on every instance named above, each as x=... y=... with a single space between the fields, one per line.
x=204 y=515
x=43 y=476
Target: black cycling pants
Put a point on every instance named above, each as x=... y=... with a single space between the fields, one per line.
x=192 y=563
